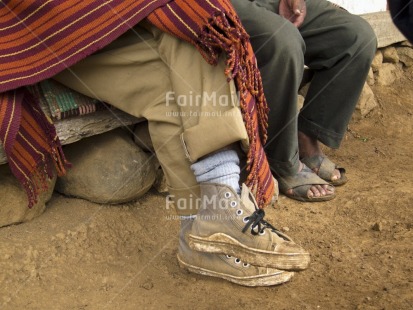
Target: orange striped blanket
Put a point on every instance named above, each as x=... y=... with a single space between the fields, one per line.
x=38 y=39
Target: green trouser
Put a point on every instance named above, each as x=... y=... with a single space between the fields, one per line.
x=191 y=108
x=336 y=45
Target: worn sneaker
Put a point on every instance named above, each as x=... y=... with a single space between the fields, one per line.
x=228 y=267
x=233 y=225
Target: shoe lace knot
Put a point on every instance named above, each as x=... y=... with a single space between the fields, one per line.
x=256 y=220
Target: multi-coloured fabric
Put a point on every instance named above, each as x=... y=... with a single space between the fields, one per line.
x=38 y=39
x=63 y=102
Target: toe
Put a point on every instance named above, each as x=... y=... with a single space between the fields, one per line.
x=329 y=189
x=315 y=190
x=336 y=175
x=322 y=190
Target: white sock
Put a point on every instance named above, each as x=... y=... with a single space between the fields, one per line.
x=221 y=168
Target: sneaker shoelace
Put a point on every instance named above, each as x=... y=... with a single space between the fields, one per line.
x=256 y=220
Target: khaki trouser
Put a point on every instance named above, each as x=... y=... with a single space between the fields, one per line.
x=190 y=107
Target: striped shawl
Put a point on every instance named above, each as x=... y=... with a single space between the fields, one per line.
x=38 y=39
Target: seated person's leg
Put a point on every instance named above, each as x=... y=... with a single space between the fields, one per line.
x=340 y=48
x=280 y=49
x=129 y=75
x=115 y=76
x=218 y=227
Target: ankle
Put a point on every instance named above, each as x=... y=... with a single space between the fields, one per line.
x=221 y=168
x=308 y=146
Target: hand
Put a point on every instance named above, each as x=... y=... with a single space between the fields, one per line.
x=293 y=10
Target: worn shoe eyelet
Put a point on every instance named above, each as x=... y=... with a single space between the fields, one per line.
x=262 y=233
x=240 y=212
x=227 y=195
x=237 y=261
x=245 y=265
x=233 y=204
x=228 y=256
x=246 y=219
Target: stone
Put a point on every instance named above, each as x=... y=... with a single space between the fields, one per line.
x=381 y=22
x=14 y=202
x=147 y=284
x=377 y=61
x=370 y=78
x=387 y=74
x=367 y=101
x=377 y=226
x=390 y=55
x=406 y=43
x=300 y=102
x=108 y=168
x=406 y=55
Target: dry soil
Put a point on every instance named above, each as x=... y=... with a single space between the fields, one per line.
x=81 y=255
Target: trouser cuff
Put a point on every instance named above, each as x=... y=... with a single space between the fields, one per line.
x=285 y=168
x=325 y=136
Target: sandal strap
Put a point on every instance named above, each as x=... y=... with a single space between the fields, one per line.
x=324 y=165
x=327 y=168
x=305 y=177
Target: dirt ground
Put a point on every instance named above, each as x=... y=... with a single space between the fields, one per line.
x=80 y=255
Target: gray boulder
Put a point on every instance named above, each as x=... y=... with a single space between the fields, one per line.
x=13 y=199
x=108 y=168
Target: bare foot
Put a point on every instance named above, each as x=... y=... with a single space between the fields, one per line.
x=309 y=147
x=315 y=190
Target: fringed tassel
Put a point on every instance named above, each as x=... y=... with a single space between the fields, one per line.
x=43 y=152
x=224 y=32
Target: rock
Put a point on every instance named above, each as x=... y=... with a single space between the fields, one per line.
x=147 y=285
x=300 y=102
x=387 y=74
x=390 y=55
x=107 y=168
x=370 y=78
x=406 y=43
x=377 y=226
x=377 y=61
x=14 y=203
x=367 y=101
x=387 y=287
x=406 y=55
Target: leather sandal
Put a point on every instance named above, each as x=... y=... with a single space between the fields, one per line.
x=300 y=183
x=325 y=169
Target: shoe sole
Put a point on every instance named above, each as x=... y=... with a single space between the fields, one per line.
x=259 y=280
x=223 y=244
x=311 y=199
